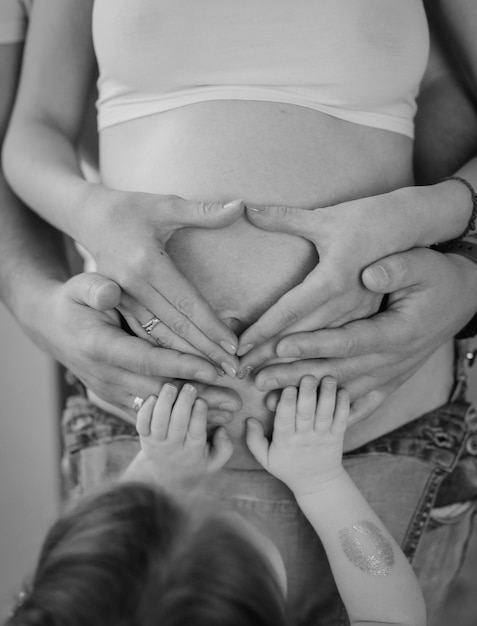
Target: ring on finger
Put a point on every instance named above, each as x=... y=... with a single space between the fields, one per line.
x=151 y=324
x=137 y=403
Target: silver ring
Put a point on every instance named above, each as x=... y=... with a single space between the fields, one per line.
x=151 y=324
x=137 y=403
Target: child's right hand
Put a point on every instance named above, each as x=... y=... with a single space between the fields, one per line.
x=307 y=445
x=173 y=436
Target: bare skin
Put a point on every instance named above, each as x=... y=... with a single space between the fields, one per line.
x=241 y=270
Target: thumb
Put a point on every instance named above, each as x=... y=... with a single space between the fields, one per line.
x=300 y=222
x=221 y=450
x=397 y=271
x=208 y=215
x=95 y=291
x=256 y=441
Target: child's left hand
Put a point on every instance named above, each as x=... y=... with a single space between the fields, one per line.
x=172 y=432
x=307 y=445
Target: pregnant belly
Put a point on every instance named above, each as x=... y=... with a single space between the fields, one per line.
x=265 y=154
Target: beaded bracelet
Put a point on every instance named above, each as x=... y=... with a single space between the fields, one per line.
x=473 y=194
x=468 y=250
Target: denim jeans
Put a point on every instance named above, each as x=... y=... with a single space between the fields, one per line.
x=400 y=474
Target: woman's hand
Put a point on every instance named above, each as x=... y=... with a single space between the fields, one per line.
x=127 y=233
x=348 y=237
x=432 y=297
x=76 y=323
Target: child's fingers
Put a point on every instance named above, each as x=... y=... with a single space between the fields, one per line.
x=340 y=420
x=256 y=441
x=197 y=432
x=181 y=412
x=144 y=415
x=220 y=451
x=326 y=405
x=306 y=404
x=285 y=417
x=162 y=411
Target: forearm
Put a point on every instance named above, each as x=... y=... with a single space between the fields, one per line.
x=40 y=152
x=374 y=579
x=42 y=166
x=32 y=256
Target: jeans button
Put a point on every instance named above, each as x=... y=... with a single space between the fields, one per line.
x=472 y=445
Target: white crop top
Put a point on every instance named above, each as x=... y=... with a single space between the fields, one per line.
x=357 y=60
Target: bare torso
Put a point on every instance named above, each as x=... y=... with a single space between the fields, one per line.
x=273 y=154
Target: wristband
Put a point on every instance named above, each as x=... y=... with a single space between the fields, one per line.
x=473 y=217
x=468 y=250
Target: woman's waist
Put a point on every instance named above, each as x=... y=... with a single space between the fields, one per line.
x=262 y=152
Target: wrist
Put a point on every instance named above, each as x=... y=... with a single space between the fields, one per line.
x=32 y=307
x=467 y=272
x=445 y=210
x=319 y=485
x=92 y=212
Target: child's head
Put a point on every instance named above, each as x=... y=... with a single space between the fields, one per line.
x=134 y=555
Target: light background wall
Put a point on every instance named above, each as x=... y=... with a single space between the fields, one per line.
x=29 y=485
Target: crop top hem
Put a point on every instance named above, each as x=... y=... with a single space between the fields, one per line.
x=145 y=105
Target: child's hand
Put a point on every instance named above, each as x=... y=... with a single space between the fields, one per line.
x=307 y=444
x=172 y=432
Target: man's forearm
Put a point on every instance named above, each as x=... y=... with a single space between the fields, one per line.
x=32 y=253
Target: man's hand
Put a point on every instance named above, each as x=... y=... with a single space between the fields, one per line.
x=432 y=296
x=78 y=325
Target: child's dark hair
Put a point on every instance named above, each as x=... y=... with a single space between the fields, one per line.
x=134 y=556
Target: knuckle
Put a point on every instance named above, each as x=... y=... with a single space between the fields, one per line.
x=146 y=365
x=204 y=209
x=289 y=316
x=185 y=305
x=397 y=266
x=350 y=344
x=182 y=366
x=180 y=326
x=285 y=213
x=164 y=341
x=172 y=201
x=196 y=437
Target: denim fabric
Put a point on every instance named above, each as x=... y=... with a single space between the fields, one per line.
x=399 y=474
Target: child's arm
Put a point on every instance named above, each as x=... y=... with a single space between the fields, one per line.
x=173 y=434
x=375 y=580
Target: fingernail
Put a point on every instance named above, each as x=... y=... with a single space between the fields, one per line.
x=287 y=350
x=256 y=209
x=244 y=349
x=379 y=276
x=228 y=369
x=204 y=376
x=189 y=388
x=220 y=371
x=229 y=347
x=227 y=406
x=269 y=384
x=217 y=419
x=233 y=204
x=244 y=372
